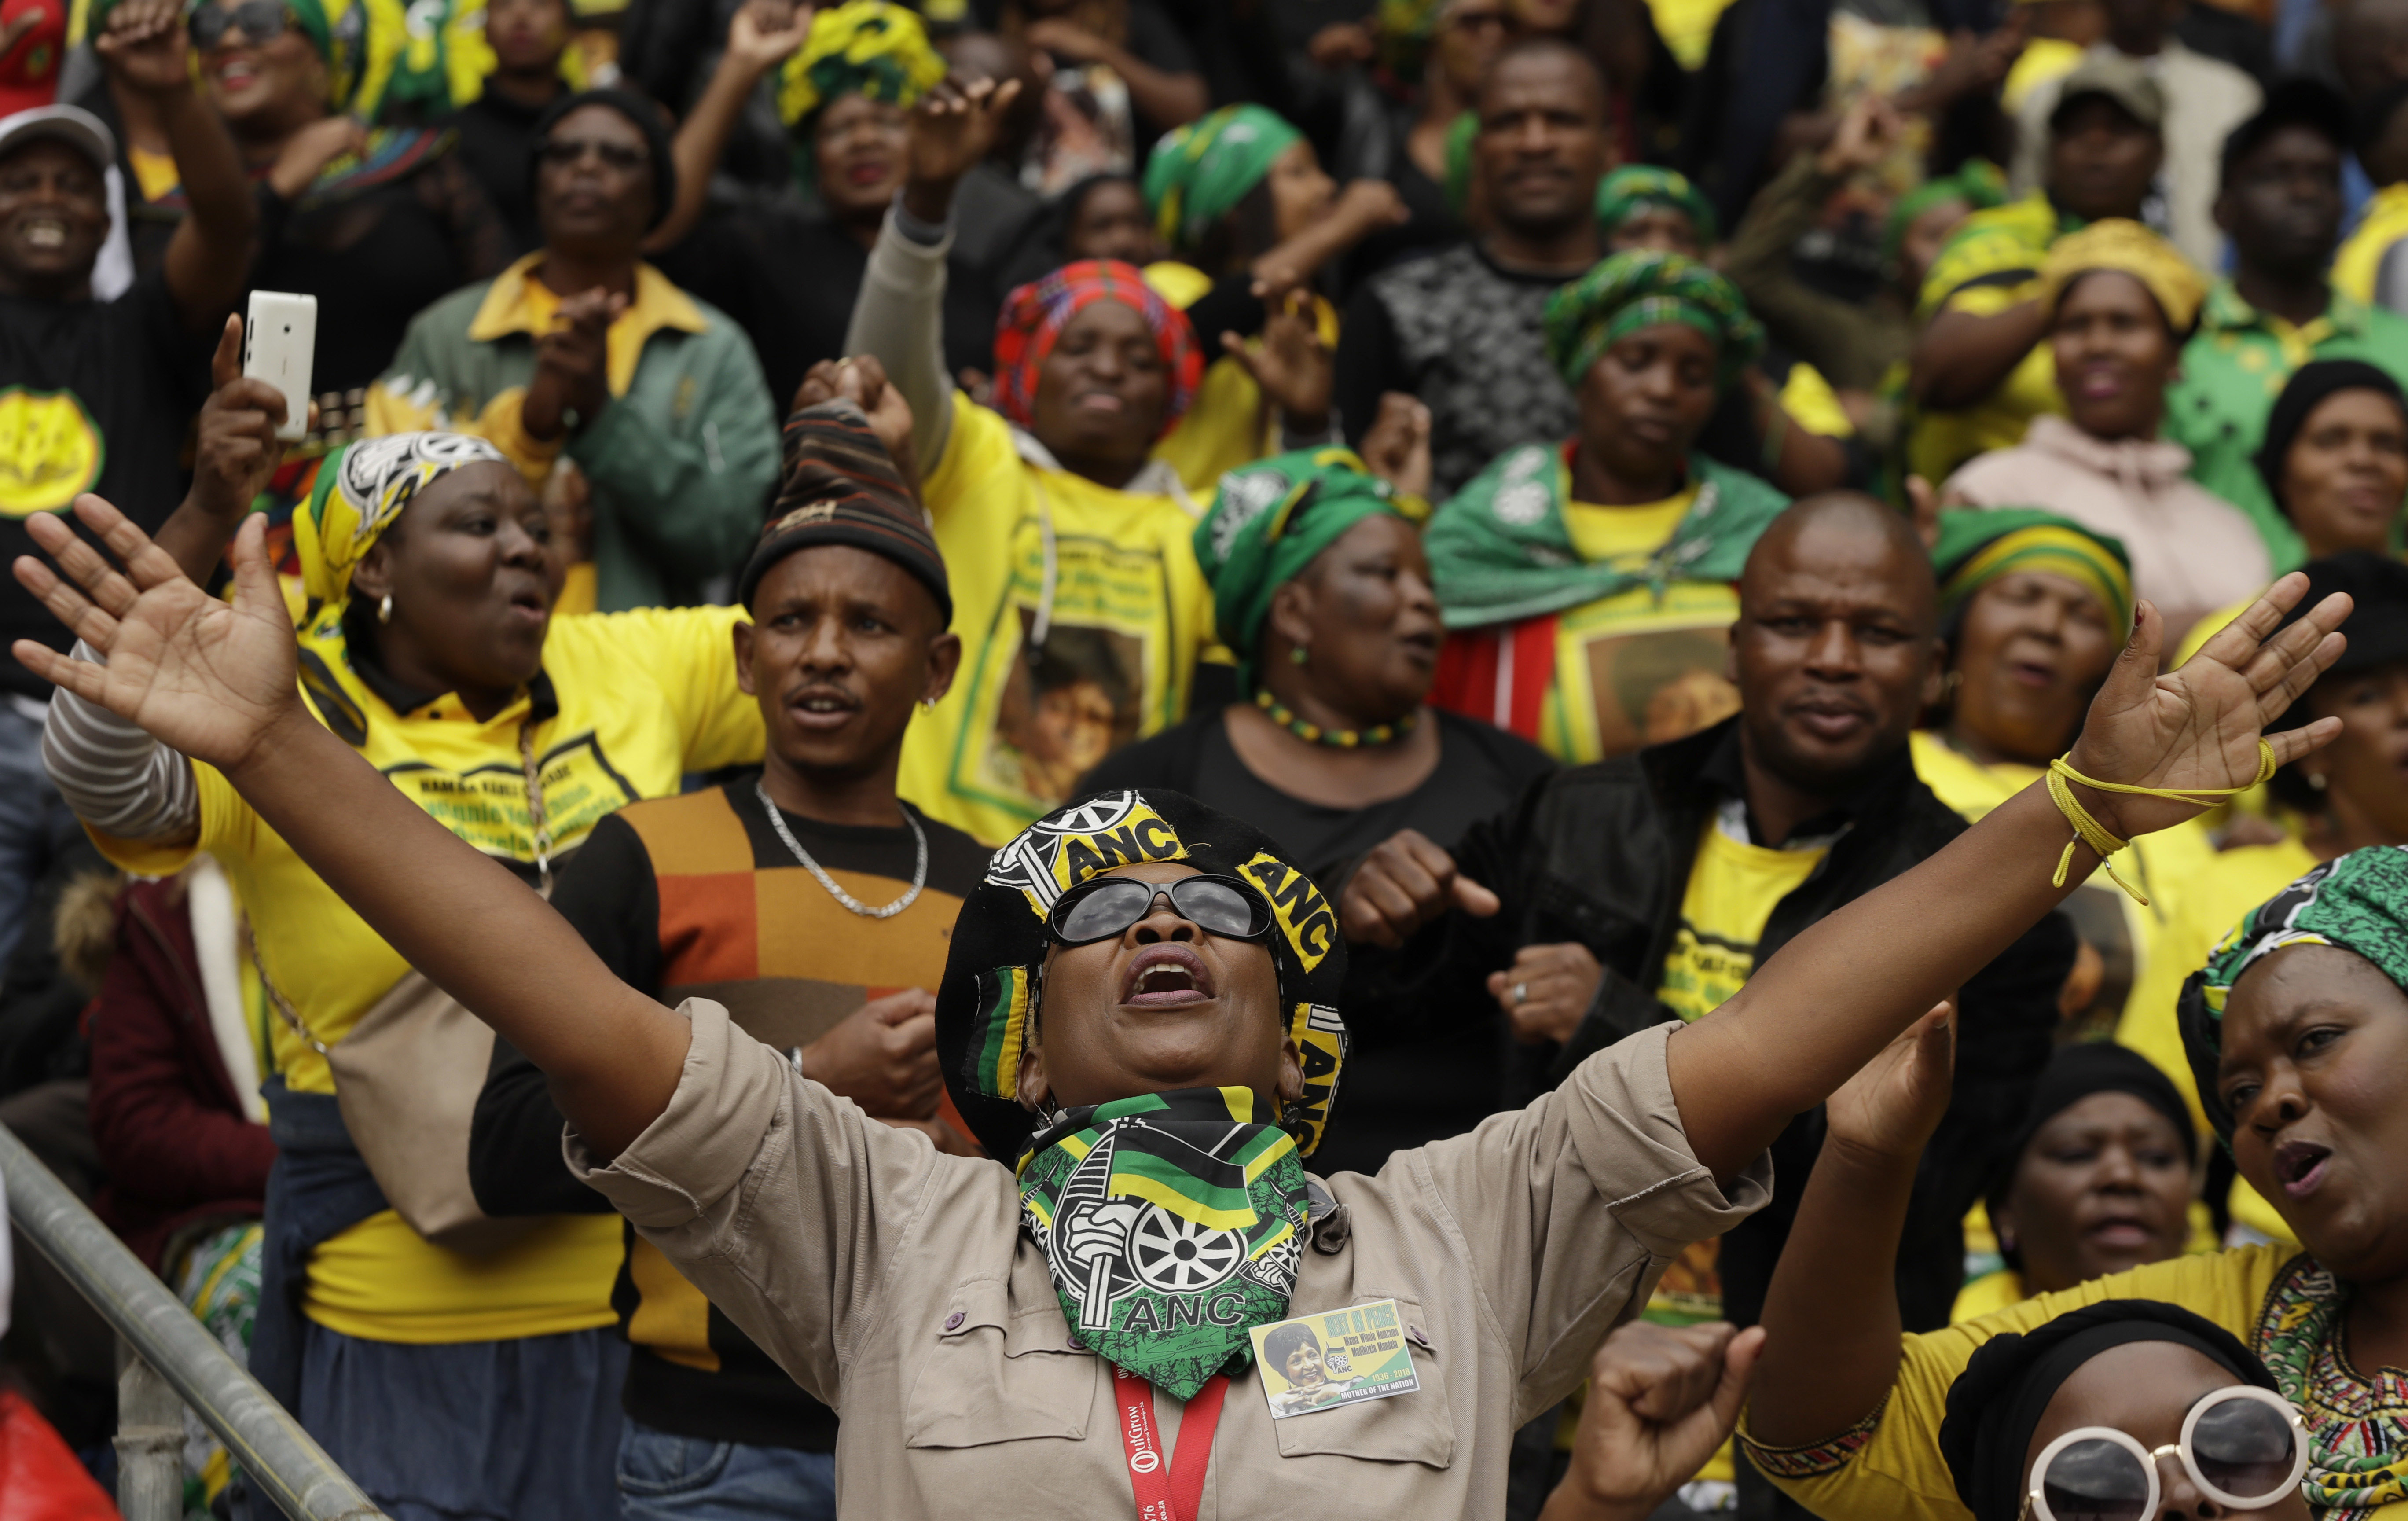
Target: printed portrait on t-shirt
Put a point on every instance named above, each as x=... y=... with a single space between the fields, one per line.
x=1069 y=703
x=1653 y=687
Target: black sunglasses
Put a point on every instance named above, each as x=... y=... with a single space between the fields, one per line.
x=262 y=21
x=1099 y=910
x=560 y=152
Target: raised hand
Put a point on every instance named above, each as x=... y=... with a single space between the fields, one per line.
x=1295 y=368
x=1661 y=1399
x=1868 y=133
x=762 y=35
x=144 y=46
x=2195 y=729
x=953 y=128
x=1397 y=446
x=238 y=449
x=1894 y=1103
x=206 y=678
x=863 y=382
x=1404 y=884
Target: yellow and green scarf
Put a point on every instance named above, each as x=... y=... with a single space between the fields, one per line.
x=1172 y=1224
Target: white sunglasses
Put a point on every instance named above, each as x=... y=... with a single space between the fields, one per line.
x=2243 y=1448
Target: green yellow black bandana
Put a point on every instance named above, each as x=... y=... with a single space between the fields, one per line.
x=1172 y=1224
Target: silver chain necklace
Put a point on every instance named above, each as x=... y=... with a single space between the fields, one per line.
x=919 y=871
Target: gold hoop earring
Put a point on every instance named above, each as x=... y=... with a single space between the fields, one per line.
x=384 y=609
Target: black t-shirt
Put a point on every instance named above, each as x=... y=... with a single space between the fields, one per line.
x=788 y=278
x=498 y=148
x=94 y=395
x=1398 y=1090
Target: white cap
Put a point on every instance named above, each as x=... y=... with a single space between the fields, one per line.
x=70 y=124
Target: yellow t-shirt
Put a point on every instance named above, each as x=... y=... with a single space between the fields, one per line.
x=1635 y=668
x=1898 y=1473
x=2360 y=256
x=641 y=698
x=1733 y=888
x=1130 y=616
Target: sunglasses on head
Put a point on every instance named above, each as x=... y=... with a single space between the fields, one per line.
x=2243 y=1448
x=261 y=21
x=1099 y=910
x=560 y=152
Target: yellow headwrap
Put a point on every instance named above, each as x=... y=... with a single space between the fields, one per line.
x=864 y=47
x=2120 y=244
x=361 y=491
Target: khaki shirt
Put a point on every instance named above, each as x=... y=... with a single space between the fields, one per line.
x=894 y=1283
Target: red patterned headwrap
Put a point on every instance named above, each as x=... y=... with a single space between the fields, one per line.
x=1035 y=314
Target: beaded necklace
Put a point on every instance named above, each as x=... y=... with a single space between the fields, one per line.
x=1313 y=734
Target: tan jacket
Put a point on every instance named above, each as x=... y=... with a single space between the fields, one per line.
x=895 y=1283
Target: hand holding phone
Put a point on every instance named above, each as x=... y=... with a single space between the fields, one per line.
x=277 y=343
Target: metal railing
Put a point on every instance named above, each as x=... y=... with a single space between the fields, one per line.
x=175 y=1363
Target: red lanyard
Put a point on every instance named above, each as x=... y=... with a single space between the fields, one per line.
x=1167 y=1488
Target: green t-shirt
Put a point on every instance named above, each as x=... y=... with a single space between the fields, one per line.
x=2233 y=369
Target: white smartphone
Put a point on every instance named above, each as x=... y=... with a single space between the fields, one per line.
x=277 y=345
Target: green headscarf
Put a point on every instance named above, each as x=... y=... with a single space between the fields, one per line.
x=1976 y=548
x=1641 y=289
x=1978 y=184
x=2355 y=902
x=1627 y=190
x=1199 y=173
x=1459 y=134
x=358 y=63
x=862 y=48
x=1500 y=551
x=1270 y=520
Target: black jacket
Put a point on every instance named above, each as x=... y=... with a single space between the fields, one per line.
x=1601 y=854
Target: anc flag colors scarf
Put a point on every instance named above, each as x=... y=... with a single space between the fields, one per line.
x=1501 y=551
x=1173 y=1224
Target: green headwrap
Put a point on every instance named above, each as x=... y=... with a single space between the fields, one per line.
x=1976 y=548
x=1458 y=162
x=2355 y=902
x=1270 y=520
x=1978 y=184
x=1641 y=289
x=1199 y=173
x=340 y=30
x=1624 y=190
x=862 y=48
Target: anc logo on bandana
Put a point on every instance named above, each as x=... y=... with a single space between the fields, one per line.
x=1064 y=849
x=49 y=449
x=1303 y=913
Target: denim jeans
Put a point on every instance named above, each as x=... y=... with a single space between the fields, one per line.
x=35 y=823
x=516 y=1430
x=672 y=1478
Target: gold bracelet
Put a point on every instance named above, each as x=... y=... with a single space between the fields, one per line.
x=2089 y=831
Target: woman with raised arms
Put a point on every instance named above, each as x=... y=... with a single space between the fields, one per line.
x=1143 y=981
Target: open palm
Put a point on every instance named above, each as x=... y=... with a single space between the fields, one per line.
x=203 y=676
x=2195 y=729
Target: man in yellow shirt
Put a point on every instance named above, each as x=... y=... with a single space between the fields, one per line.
x=1624 y=893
